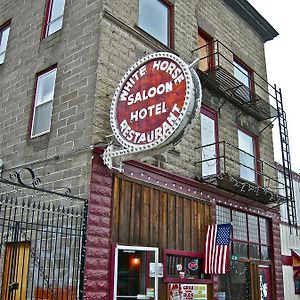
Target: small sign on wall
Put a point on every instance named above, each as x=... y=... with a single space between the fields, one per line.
x=187 y=291
x=160 y=270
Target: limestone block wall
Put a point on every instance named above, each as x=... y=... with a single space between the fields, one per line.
x=62 y=156
x=122 y=43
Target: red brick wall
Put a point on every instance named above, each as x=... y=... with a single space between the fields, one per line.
x=277 y=260
x=98 y=232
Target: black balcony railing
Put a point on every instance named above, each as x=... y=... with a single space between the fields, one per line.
x=236 y=171
x=216 y=68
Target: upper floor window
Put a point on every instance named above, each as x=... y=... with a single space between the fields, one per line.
x=155 y=17
x=247 y=147
x=205 y=51
x=43 y=102
x=54 y=16
x=4 y=33
x=245 y=75
x=208 y=141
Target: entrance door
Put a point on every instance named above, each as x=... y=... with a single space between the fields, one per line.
x=135 y=273
x=265 y=286
x=14 y=281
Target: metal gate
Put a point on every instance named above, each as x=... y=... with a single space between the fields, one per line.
x=42 y=241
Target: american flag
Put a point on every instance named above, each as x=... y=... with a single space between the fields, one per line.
x=216 y=258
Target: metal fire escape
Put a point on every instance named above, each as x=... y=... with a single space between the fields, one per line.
x=286 y=160
x=218 y=75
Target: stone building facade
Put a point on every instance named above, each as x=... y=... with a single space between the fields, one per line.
x=159 y=206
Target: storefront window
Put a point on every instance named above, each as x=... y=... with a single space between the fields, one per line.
x=250 y=238
x=182 y=266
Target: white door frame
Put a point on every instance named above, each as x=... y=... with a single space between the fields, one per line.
x=137 y=248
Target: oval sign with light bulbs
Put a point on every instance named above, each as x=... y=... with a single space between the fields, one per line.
x=154 y=102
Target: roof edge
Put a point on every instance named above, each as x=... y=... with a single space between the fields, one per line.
x=253 y=18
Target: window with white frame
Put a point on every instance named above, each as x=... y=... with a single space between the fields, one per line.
x=155 y=18
x=43 y=103
x=245 y=75
x=4 y=33
x=247 y=156
x=54 y=16
x=208 y=141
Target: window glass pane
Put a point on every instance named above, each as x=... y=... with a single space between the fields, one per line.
x=239 y=225
x=42 y=118
x=247 y=167
x=45 y=87
x=265 y=253
x=57 y=9
x=241 y=74
x=264 y=231
x=281 y=191
x=253 y=229
x=208 y=136
x=223 y=215
x=240 y=249
x=154 y=19
x=131 y=273
x=4 y=39
x=55 y=26
x=296 y=185
x=3 y=43
x=254 y=251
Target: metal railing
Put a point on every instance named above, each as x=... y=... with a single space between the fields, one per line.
x=229 y=159
x=217 y=66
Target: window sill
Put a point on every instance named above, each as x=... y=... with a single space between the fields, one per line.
x=51 y=39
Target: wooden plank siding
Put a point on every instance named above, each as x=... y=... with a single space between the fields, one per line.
x=147 y=216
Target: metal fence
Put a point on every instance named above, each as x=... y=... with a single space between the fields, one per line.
x=42 y=243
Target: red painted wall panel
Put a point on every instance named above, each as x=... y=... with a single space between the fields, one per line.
x=98 y=232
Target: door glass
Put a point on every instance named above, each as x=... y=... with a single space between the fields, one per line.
x=134 y=279
x=235 y=284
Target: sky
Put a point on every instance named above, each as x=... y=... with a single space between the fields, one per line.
x=283 y=67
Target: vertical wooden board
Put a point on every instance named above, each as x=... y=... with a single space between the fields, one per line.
x=116 y=210
x=171 y=234
x=145 y=216
x=254 y=281
x=163 y=220
x=187 y=224
x=17 y=256
x=201 y=226
x=154 y=216
x=194 y=226
x=124 y=211
x=6 y=272
x=132 y=215
x=137 y=213
x=22 y=263
x=179 y=223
